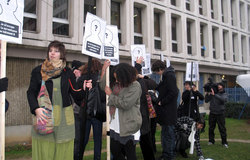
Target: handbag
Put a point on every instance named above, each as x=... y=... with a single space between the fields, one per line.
x=43 y=99
x=151 y=109
x=96 y=104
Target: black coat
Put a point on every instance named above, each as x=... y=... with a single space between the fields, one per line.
x=67 y=76
x=194 y=111
x=168 y=94
x=146 y=84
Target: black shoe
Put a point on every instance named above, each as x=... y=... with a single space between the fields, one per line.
x=184 y=154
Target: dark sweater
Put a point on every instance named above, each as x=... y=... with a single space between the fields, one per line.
x=67 y=76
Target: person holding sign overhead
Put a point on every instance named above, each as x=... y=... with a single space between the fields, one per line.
x=49 y=95
x=124 y=102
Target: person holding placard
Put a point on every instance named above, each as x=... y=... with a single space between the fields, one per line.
x=49 y=95
x=145 y=138
x=126 y=120
x=94 y=117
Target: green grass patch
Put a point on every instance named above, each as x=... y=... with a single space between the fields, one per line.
x=236 y=129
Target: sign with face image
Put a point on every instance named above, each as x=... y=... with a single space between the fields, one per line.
x=147 y=70
x=93 y=38
x=11 y=20
x=138 y=51
x=111 y=45
x=195 y=72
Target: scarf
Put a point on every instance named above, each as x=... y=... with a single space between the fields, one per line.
x=52 y=68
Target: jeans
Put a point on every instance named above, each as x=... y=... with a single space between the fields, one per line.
x=220 y=120
x=168 y=141
x=97 y=135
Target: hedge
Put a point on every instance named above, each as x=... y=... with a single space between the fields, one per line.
x=233 y=110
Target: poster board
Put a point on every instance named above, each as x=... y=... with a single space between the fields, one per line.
x=94 y=36
x=111 y=45
x=147 y=70
x=195 y=71
x=136 y=52
x=168 y=62
x=11 y=20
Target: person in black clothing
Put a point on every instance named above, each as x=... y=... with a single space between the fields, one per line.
x=194 y=110
x=217 y=113
x=80 y=119
x=145 y=138
x=3 y=84
x=184 y=125
x=167 y=110
x=91 y=111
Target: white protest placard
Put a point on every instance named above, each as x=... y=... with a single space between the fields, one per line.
x=138 y=51
x=195 y=71
x=11 y=20
x=162 y=57
x=147 y=70
x=168 y=62
x=111 y=45
x=94 y=35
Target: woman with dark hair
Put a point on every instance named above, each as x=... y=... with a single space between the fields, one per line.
x=49 y=95
x=93 y=118
x=126 y=120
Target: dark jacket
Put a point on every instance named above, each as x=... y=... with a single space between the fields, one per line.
x=168 y=93
x=146 y=84
x=94 y=77
x=217 y=102
x=194 y=111
x=67 y=76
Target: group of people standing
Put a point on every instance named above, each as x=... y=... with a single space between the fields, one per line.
x=63 y=115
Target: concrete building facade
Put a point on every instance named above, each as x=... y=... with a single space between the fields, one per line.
x=213 y=32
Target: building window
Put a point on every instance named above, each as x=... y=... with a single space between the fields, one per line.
x=248 y=13
x=234 y=38
x=212 y=9
x=189 y=41
x=233 y=12
x=138 y=38
x=242 y=15
x=200 y=7
x=202 y=40
x=30 y=15
x=214 y=39
x=222 y=11
x=188 y=5
x=61 y=17
x=224 y=45
x=157 y=31
x=174 y=34
x=116 y=17
x=173 y=2
x=89 y=6
x=243 y=49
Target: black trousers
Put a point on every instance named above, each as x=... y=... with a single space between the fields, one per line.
x=120 y=151
x=80 y=123
x=153 y=125
x=147 y=147
x=220 y=120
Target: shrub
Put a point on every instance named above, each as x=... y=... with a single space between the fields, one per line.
x=233 y=110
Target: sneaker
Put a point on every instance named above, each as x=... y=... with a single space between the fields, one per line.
x=209 y=143
x=225 y=145
x=201 y=158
